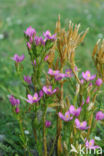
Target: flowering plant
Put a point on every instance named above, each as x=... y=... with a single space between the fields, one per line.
x=62 y=100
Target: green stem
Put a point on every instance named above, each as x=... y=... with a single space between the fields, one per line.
x=23 y=138
x=52 y=148
x=44 y=134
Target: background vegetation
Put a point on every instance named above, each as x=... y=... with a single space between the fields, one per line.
x=17 y=15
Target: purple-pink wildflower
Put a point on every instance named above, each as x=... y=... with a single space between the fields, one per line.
x=98 y=82
x=82 y=103
x=81 y=125
x=18 y=58
x=59 y=76
x=53 y=72
x=39 y=41
x=46 y=58
x=48 y=90
x=17 y=110
x=31 y=40
x=68 y=73
x=65 y=117
x=14 y=101
x=48 y=123
x=30 y=32
x=99 y=115
x=27 y=79
x=48 y=36
x=88 y=100
x=82 y=81
x=73 y=111
x=90 y=144
x=33 y=99
x=28 y=45
x=75 y=68
x=87 y=76
x=41 y=93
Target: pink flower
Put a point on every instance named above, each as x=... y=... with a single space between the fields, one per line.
x=17 y=110
x=48 y=90
x=82 y=81
x=76 y=69
x=87 y=76
x=81 y=125
x=90 y=144
x=99 y=115
x=41 y=93
x=73 y=111
x=48 y=36
x=36 y=98
x=18 y=58
x=14 y=101
x=28 y=45
x=65 y=117
x=27 y=79
x=31 y=39
x=68 y=73
x=82 y=103
x=48 y=123
x=39 y=41
x=88 y=100
x=98 y=82
x=33 y=99
x=30 y=32
x=46 y=58
x=59 y=76
x=53 y=72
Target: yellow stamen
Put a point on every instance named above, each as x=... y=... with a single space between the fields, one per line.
x=81 y=124
x=49 y=90
x=50 y=34
x=34 y=98
x=68 y=72
x=88 y=75
x=90 y=143
x=67 y=116
x=54 y=72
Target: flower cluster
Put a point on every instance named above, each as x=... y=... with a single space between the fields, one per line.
x=15 y=103
x=59 y=76
x=35 y=98
x=38 y=40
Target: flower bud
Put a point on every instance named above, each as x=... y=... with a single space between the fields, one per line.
x=28 y=45
x=98 y=82
x=88 y=100
x=17 y=110
x=48 y=123
x=99 y=115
